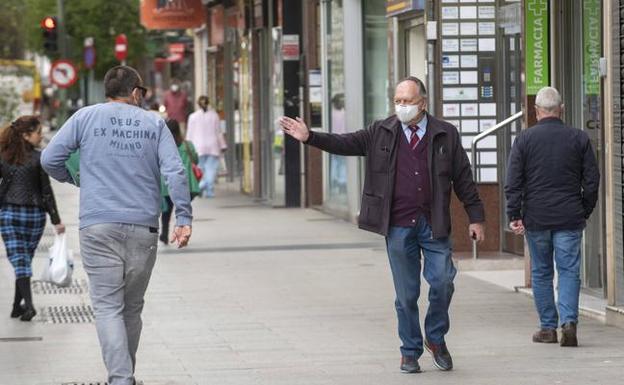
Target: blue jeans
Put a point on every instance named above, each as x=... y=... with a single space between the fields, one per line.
x=565 y=245
x=209 y=165
x=404 y=246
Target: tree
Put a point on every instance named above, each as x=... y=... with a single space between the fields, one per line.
x=11 y=19
x=100 y=19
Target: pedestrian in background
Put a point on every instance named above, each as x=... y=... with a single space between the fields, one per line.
x=124 y=151
x=204 y=131
x=413 y=159
x=176 y=103
x=551 y=189
x=189 y=157
x=26 y=196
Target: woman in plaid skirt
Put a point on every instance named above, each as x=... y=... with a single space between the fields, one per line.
x=26 y=195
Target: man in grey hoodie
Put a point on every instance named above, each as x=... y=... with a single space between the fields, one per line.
x=124 y=150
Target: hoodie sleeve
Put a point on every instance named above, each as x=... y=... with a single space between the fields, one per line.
x=62 y=145
x=172 y=170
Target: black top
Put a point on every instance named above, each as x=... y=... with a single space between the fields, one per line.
x=552 y=177
x=29 y=185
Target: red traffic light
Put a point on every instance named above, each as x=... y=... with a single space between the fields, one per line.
x=48 y=23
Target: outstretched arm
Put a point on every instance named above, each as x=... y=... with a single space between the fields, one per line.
x=355 y=143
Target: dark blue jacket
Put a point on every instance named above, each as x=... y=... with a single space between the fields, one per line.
x=552 y=177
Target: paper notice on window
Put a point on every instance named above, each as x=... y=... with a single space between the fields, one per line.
x=450 y=13
x=468 y=29
x=460 y=93
x=486 y=124
x=487 y=12
x=469 y=109
x=487 y=28
x=468 y=12
x=469 y=61
x=450 y=77
x=468 y=45
x=450 y=110
x=450 y=29
x=450 y=61
x=469 y=77
x=487 y=44
x=488 y=109
x=450 y=45
x=470 y=126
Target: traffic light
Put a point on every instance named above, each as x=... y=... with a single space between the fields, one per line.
x=49 y=29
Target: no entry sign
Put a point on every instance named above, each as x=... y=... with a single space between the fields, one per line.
x=121 y=47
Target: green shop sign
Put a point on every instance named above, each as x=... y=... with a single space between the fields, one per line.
x=536 y=37
x=592 y=41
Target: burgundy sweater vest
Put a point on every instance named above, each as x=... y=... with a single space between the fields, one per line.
x=412 y=189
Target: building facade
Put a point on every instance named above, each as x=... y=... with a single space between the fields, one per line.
x=336 y=62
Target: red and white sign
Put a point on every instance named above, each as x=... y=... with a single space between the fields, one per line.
x=290 y=48
x=63 y=73
x=121 y=47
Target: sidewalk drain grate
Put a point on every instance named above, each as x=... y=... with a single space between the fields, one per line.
x=76 y=287
x=67 y=314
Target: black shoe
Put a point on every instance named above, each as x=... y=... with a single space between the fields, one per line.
x=409 y=365
x=28 y=314
x=441 y=356
x=568 y=334
x=17 y=311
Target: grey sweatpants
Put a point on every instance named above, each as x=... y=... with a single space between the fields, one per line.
x=118 y=259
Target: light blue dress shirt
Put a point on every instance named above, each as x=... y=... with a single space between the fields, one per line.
x=422 y=129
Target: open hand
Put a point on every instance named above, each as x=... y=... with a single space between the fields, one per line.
x=295 y=128
x=181 y=236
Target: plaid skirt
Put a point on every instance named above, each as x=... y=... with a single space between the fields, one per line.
x=21 y=228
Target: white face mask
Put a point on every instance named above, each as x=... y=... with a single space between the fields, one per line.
x=175 y=87
x=406 y=112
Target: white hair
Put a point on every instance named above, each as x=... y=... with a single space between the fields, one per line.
x=548 y=99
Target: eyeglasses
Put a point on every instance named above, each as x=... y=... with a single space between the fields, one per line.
x=142 y=89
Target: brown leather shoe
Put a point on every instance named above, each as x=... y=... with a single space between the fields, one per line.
x=546 y=336
x=568 y=334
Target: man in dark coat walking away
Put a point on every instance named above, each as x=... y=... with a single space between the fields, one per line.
x=552 y=188
x=412 y=161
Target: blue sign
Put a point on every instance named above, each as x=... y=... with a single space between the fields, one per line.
x=89 y=57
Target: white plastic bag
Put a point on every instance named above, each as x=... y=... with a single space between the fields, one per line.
x=60 y=266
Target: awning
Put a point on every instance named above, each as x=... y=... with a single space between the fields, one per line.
x=397 y=7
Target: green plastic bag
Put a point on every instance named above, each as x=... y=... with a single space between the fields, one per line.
x=73 y=166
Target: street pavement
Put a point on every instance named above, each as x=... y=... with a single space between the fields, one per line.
x=289 y=296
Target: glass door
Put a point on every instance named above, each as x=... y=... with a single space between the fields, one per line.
x=580 y=21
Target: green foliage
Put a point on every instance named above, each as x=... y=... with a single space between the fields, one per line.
x=9 y=101
x=11 y=20
x=101 y=19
